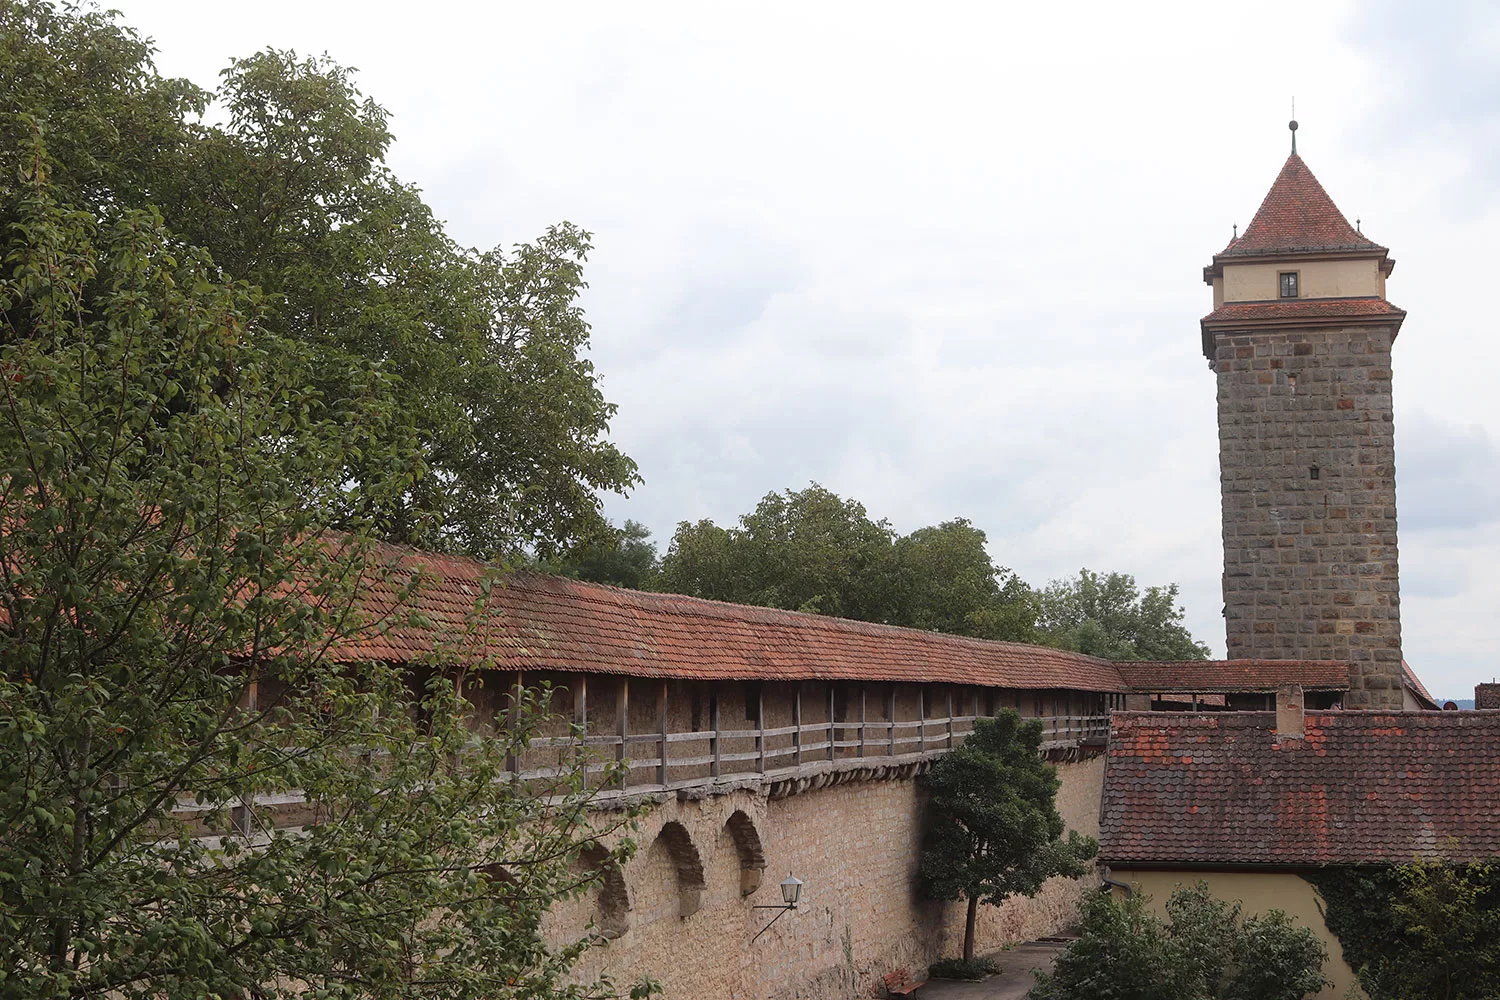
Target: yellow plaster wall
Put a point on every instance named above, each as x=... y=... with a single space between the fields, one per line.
x=1257 y=892
x=1319 y=279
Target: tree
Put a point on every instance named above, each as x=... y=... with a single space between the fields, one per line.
x=170 y=591
x=625 y=558
x=1205 y=950
x=811 y=550
x=941 y=578
x=1107 y=615
x=993 y=828
x=478 y=356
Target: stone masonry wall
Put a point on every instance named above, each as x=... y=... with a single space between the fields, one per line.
x=855 y=846
x=1307 y=468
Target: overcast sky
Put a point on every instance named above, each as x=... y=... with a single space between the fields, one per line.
x=946 y=259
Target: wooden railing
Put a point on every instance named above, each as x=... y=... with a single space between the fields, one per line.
x=670 y=760
x=663 y=760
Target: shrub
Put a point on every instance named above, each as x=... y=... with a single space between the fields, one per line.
x=1203 y=951
x=958 y=968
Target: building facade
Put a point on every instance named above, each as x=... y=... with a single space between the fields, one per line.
x=1300 y=340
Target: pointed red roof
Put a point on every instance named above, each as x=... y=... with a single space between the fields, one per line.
x=1296 y=217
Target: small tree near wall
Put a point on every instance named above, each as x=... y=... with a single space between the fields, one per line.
x=994 y=830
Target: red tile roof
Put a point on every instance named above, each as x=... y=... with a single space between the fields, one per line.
x=1290 y=309
x=1297 y=216
x=1235 y=676
x=552 y=623
x=529 y=621
x=1362 y=787
x=1417 y=687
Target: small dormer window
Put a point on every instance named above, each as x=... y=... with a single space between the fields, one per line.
x=1289 y=284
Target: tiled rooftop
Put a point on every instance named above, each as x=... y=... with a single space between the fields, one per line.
x=1245 y=676
x=552 y=623
x=1285 y=309
x=1297 y=216
x=538 y=622
x=1222 y=789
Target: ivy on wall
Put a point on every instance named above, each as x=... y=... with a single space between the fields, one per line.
x=1427 y=929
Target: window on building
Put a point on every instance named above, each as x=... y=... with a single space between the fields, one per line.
x=1289 y=284
x=752 y=702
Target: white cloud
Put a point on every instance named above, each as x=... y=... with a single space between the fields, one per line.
x=945 y=258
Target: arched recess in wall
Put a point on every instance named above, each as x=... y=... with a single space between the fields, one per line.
x=689 y=864
x=747 y=845
x=614 y=898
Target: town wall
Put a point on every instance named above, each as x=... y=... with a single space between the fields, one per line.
x=854 y=845
x=1307 y=464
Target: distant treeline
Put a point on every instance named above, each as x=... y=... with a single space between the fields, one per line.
x=811 y=550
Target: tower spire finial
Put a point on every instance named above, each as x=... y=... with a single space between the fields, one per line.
x=1293 y=126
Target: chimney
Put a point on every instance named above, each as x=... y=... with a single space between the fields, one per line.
x=1289 y=724
x=1487 y=695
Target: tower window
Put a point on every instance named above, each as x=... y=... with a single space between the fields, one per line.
x=1313 y=472
x=1289 y=284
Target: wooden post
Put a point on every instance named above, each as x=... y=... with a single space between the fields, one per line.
x=622 y=714
x=581 y=721
x=797 y=723
x=921 y=718
x=511 y=726
x=862 y=688
x=661 y=758
x=950 y=717
x=239 y=816
x=713 y=723
x=830 y=721
x=890 y=716
x=759 y=726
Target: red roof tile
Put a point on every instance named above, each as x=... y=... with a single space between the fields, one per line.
x=1291 y=309
x=1297 y=216
x=1417 y=687
x=536 y=622
x=1235 y=676
x=552 y=623
x=1362 y=787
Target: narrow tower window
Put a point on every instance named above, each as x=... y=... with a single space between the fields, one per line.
x=1313 y=472
x=1289 y=284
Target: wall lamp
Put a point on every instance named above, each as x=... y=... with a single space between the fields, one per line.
x=791 y=891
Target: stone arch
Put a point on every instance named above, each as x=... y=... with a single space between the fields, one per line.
x=689 y=864
x=614 y=898
x=747 y=845
x=497 y=872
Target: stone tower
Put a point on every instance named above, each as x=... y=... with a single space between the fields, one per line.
x=1300 y=339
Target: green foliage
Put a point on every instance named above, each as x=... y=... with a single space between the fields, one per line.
x=169 y=590
x=1123 y=952
x=1428 y=929
x=971 y=970
x=993 y=828
x=476 y=356
x=624 y=558
x=1109 y=616
x=1276 y=960
x=811 y=550
x=1203 y=951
